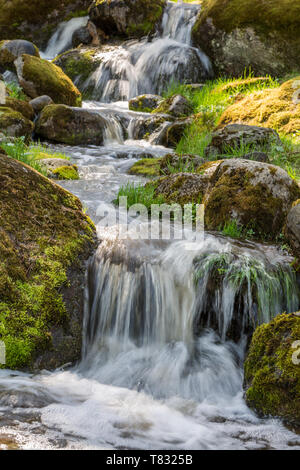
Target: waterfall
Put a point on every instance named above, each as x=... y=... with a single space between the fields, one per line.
x=62 y=38
x=154 y=323
x=149 y=65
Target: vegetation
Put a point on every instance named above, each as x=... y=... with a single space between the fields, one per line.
x=146 y=167
x=139 y=194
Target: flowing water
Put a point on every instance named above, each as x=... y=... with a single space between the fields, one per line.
x=165 y=329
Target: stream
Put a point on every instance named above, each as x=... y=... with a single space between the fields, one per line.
x=149 y=376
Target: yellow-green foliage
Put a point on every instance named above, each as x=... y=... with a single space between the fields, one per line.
x=271 y=376
x=14 y=124
x=66 y=172
x=277 y=108
x=77 y=63
x=42 y=233
x=265 y=16
x=146 y=167
x=49 y=79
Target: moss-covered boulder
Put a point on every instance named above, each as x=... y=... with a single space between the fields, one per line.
x=177 y=106
x=257 y=195
x=78 y=65
x=145 y=103
x=292 y=228
x=277 y=108
x=45 y=240
x=11 y=50
x=73 y=126
x=14 y=124
x=148 y=167
x=59 y=168
x=127 y=18
x=238 y=34
x=36 y=20
x=20 y=106
x=272 y=369
x=39 y=77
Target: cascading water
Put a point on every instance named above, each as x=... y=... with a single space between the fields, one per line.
x=127 y=70
x=62 y=38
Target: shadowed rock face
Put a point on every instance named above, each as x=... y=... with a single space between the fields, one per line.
x=292 y=229
x=11 y=50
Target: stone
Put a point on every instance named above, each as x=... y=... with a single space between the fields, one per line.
x=145 y=103
x=39 y=103
x=11 y=50
x=292 y=229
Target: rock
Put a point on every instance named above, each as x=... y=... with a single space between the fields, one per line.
x=177 y=106
x=45 y=241
x=263 y=37
x=272 y=372
x=86 y=35
x=39 y=103
x=11 y=50
x=73 y=126
x=256 y=195
x=59 y=168
x=21 y=106
x=182 y=188
x=277 y=108
x=148 y=167
x=127 y=18
x=37 y=20
x=172 y=162
x=145 y=103
x=237 y=136
x=169 y=133
x=292 y=229
x=14 y=124
x=39 y=77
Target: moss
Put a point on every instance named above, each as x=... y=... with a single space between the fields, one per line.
x=266 y=17
x=14 y=124
x=278 y=109
x=20 y=106
x=49 y=79
x=78 y=65
x=272 y=377
x=241 y=86
x=66 y=173
x=42 y=233
x=146 y=167
x=181 y=188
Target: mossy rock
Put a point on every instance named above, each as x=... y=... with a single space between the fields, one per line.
x=127 y=18
x=11 y=50
x=272 y=369
x=145 y=103
x=238 y=34
x=14 y=124
x=277 y=108
x=45 y=240
x=257 y=195
x=182 y=188
x=146 y=167
x=20 y=106
x=36 y=20
x=177 y=106
x=39 y=77
x=66 y=173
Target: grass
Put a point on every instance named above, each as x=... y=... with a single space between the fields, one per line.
x=139 y=194
x=15 y=91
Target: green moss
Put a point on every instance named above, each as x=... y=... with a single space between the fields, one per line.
x=49 y=79
x=272 y=377
x=43 y=232
x=14 y=124
x=146 y=167
x=78 y=65
x=20 y=106
x=66 y=173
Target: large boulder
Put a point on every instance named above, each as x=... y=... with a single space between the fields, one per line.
x=257 y=195
x=238 y=35
x=11 y=50
x=127 y=18
x=20 y=106
x=272 y=369
x=182 y=188
x=39 y=77
x=36 y=20
x=44 y=244
x=277 y=108
x=292 y=228
x=39 y=103
x=176 y=105
x=14 y=124
x=145 y=103
x=238 y=136
x=73 y=126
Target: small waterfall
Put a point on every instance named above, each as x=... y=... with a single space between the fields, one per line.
x=149 y=65
x=153 y=322
x=62 y=38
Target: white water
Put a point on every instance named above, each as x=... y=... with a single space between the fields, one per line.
x=62 y=38
x=158 y=370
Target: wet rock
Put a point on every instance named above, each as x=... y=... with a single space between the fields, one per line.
x=59 y=168
x=272 y=372
x=11 y=50
x=177 y=106
x=39 y=103
x=14 y=124
x=44 y=245
x=73 y=126
x=182 y=188
x=256 y=195
x=39 y=77
x=172 y=162
x=129 y=18
x=292 y=228
x=86 y=35
x=169 y=133
x=145 y=103
x=237 y=136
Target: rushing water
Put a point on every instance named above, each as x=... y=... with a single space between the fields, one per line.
x=164 y=335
